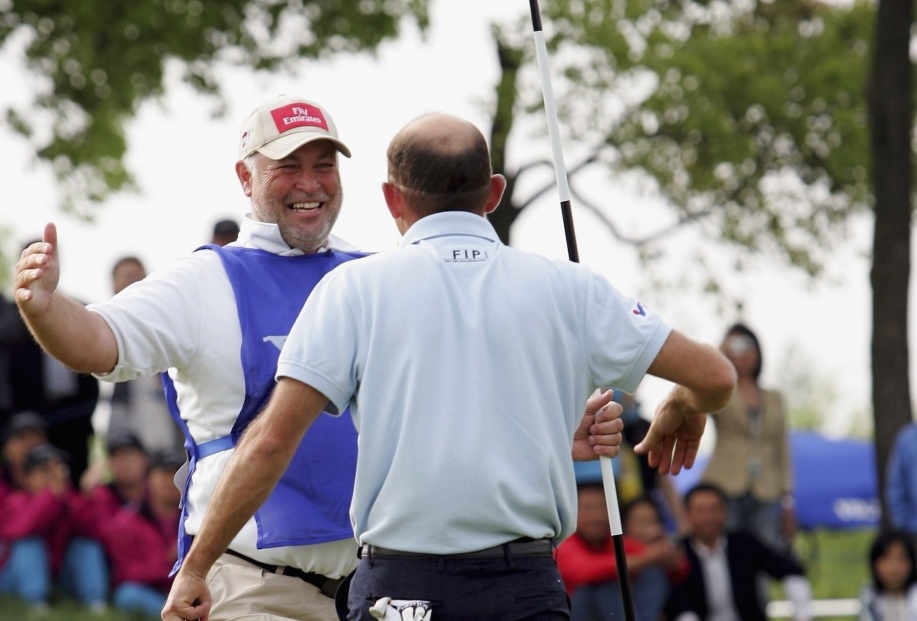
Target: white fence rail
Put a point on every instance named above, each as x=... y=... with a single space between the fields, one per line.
x=782 y=609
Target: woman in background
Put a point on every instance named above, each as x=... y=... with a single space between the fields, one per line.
x=751 y=459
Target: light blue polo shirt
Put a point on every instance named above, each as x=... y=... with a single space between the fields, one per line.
x=467 y=365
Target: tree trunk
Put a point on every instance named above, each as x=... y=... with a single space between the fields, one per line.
x=890 y=121
x=510 y=58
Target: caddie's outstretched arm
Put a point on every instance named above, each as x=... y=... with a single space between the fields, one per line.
x=80 y=339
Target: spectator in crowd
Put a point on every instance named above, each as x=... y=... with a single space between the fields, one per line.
x=634 y=477
x=39 y=383
x=139 y=406
x=587 y=563
x=12 y=332
x=126 y=466
x=225 y=232
x=901 y=481
x=126 y=271
x=22 y=432
x=892 y=594
x=751 y=459
x=49 y=533
x=725 y=567
x=656 y=558
x=141 y=540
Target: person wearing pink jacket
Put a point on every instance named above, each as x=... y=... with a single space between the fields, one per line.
x=48 y=536
x=141 y=540
x=127 y=467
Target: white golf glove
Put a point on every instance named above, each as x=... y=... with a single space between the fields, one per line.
x=389 y=609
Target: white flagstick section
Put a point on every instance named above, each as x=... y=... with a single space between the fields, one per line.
x=560 y=170
x=611 y=496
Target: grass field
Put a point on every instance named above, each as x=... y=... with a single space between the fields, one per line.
x=837 y=564
x=62 y=610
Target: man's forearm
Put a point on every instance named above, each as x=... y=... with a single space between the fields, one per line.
x=703 y=376
x=246 y=483
x=258 y=463
x=701 y=401
x=79 y=338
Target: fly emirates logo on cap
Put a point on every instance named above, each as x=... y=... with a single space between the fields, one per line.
x=298 y=115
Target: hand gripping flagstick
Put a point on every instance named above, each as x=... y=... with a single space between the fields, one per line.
x=563 y=188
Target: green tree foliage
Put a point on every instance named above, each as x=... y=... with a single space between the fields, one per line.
x=748 y=116
x=811 y=394
x=98 y=61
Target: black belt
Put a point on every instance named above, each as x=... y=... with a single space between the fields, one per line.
x=519 y=547
x=326 y=585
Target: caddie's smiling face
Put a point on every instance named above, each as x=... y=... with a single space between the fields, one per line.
x=301 y=193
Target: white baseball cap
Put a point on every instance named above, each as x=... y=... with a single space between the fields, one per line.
x=284 y=123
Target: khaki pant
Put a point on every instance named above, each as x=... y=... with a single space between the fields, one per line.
x=242 y=591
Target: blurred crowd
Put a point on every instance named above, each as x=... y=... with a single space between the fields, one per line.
x=713 y=553
x=89 y=508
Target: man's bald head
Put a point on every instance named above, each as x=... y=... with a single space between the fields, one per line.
x=441 y=163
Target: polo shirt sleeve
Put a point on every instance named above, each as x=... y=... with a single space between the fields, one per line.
x=322 y=346
x=157 y=322
x=623 y=336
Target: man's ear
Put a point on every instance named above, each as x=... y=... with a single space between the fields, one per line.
x=245 y=177
x=497 y=187
x=393 y=199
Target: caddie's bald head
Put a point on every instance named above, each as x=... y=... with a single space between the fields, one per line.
x=441 y=163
